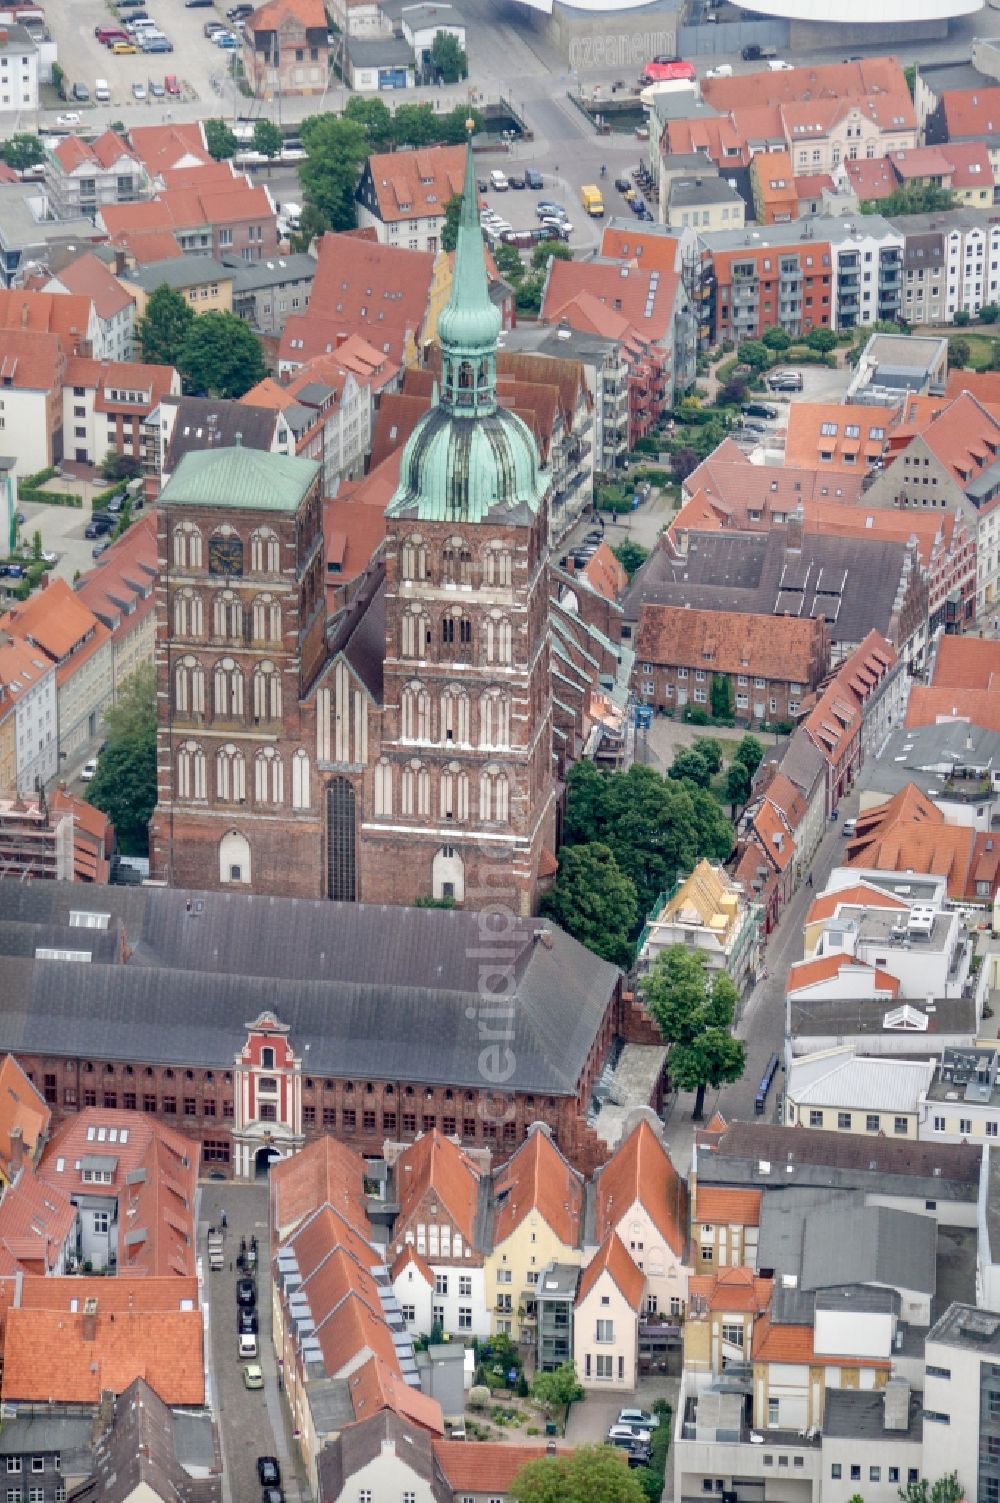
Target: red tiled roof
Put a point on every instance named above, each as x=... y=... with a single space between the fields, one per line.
x=640 y=1172
x=731 y=1291
x=23 y=1113
x=88 y=275
x=928 y=705
x=860 y=894
x=807 y=444
x=162 y=146
x=538 y=1178
x=611 y=1258
x=807 y=973
x=605 y=574
x=625 y=289
x=275 y=13
x=375 y=1386
x=717 y=1206
x=57 y=621
x=35 y=1223
x=783 y=648
x=416 y=184
x=971 y=112
x=53 y=1356
x=966 y=663
x=323 y=1172
x=487 y=1467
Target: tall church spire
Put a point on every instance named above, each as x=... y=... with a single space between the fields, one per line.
x=469 y=326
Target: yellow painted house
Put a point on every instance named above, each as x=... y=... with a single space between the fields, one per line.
x=202 y=281
x=537 y=1220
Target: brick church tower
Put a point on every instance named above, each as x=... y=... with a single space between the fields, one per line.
x=462 y=792
x=240 y=634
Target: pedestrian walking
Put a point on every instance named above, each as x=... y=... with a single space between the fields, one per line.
x=224 y=1220
x=809 y=880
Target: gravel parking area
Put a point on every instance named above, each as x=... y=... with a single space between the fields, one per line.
x=195 y=60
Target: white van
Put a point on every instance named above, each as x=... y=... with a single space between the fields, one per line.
x=248 y=1345
x=498 y=181
x=848 y=827
x=101 y=91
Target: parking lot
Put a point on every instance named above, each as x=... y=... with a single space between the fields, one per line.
x=195 y=60
x=518 y=206
x=62 y=528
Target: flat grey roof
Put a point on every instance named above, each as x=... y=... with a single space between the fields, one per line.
x=380 y=53
x=850 y=1414
x=276 y=271
x=178 y=271
x=817 y=227
x=686 y=191
x=965 y=1326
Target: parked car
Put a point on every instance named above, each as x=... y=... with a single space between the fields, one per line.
x=156 y=90
x=271 y=1495
x=246 y=1320
x=514 y=180
x=759 y=410
x=198 y=4
x=785 y=380
x=124 y=49
x=226 y=41
x=172 y=86
x=88 y=771
x=642 y=1417
x=544 y=209
x=157 y=43
x=246 y=1344
x=70 y=117
x=253 y=1378
x=138 y=93
x=268 y=1471
x=107 y=34
x=211 y=27
x=560 y=228
x=753 y=53
x=81 y=93
x=533 y=178
x=246 y=1292
x=239 y=12
x=99 y=548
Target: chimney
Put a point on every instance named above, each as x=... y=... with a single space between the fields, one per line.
x=90 y=1318
x=897 y=1404
x=24 y=305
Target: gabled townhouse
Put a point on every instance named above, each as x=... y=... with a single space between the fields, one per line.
x=105 y=405
x=215 y=218
x=837 y=1089
x=951 y=463
x=606 y=1315
x=709 y=912
x=266 y=293
x=39 y=1229
x=25 y=1121
x=146 y=1447
x=119 y=590
x=287 y=48
x=856 y=711
x=537 y=1219
x=771 y=853
x=28 y=690
x=89 y=276
x=178 y=425
x=639 y=1196
x=163 y=148
x=204 y=282
x=72 y=318
x=81 y=176
x=403 y=195
x=725 y=1228
x=722 y=1310
x=842 y=437
x=437 y=1234
x=58 y=626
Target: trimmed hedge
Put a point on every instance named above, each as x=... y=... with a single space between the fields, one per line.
x=49 y=498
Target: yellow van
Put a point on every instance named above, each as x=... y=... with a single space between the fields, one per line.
x=592 y=202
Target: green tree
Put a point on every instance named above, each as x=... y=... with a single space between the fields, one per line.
x=913 y=199
x=694 y=1013
x=684 y=462
x=23 y=151
x=722 y=696
x=655 y=826
x=556 y=1389
x=221 y=356
x=375 y=119
x=946 y=1489
x=335 y=150
x=267 y=138
x=508 y=263
x=557 y=249
x=777 y=339
x=590 y=1474
x=594 y=902
x=822 y=340
x=754 y=352
x=989 y=313
x=737 y=784
x=697 y=763
x=733 y=392
x=124 y=785
x=312 y=224
x=165 y=325
x=36 y=544
x=630 y=555
x=910 y=74
x=750 y=752
x=416 y=125
x=959 y=353
x=528 y=293
x=449 y=230
x=452 y=129
x=220 y=140
x=448 y=59
x=115 y=466
x=59 y=80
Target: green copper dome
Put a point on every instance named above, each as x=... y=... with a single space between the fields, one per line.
x=468 y=458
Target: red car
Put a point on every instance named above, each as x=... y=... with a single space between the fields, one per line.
x=110 y=34
x=171 y=85
x=667 y=72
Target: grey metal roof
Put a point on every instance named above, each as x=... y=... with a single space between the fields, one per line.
x=965 y=1326
x=276 y=271
x=758 y=573
x=843 y=1019
x=43 y=1431
x=927 y=756
x=330 y=1405
x=685 y=191
x=393 y=992
x=210 y=423
x=851 y=1414
x=866 y=1297
x=823 y=227
x=875 y=1245
x=177 y=272
x=783 y=1215
x=381 y=52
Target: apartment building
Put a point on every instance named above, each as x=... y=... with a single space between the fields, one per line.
x=19 y=68
x=89 y=276
x=119 y=590
x=709 y=912
x=287 y=46
x=105 y=405
x=950 y=264
x=204 y=282
x=81 y=177
x=962 y=1400
x=31 y=398
x=839 y=1090
x=961 y=1103
x=267 y=293
x=28 y=683
x=208 y=213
